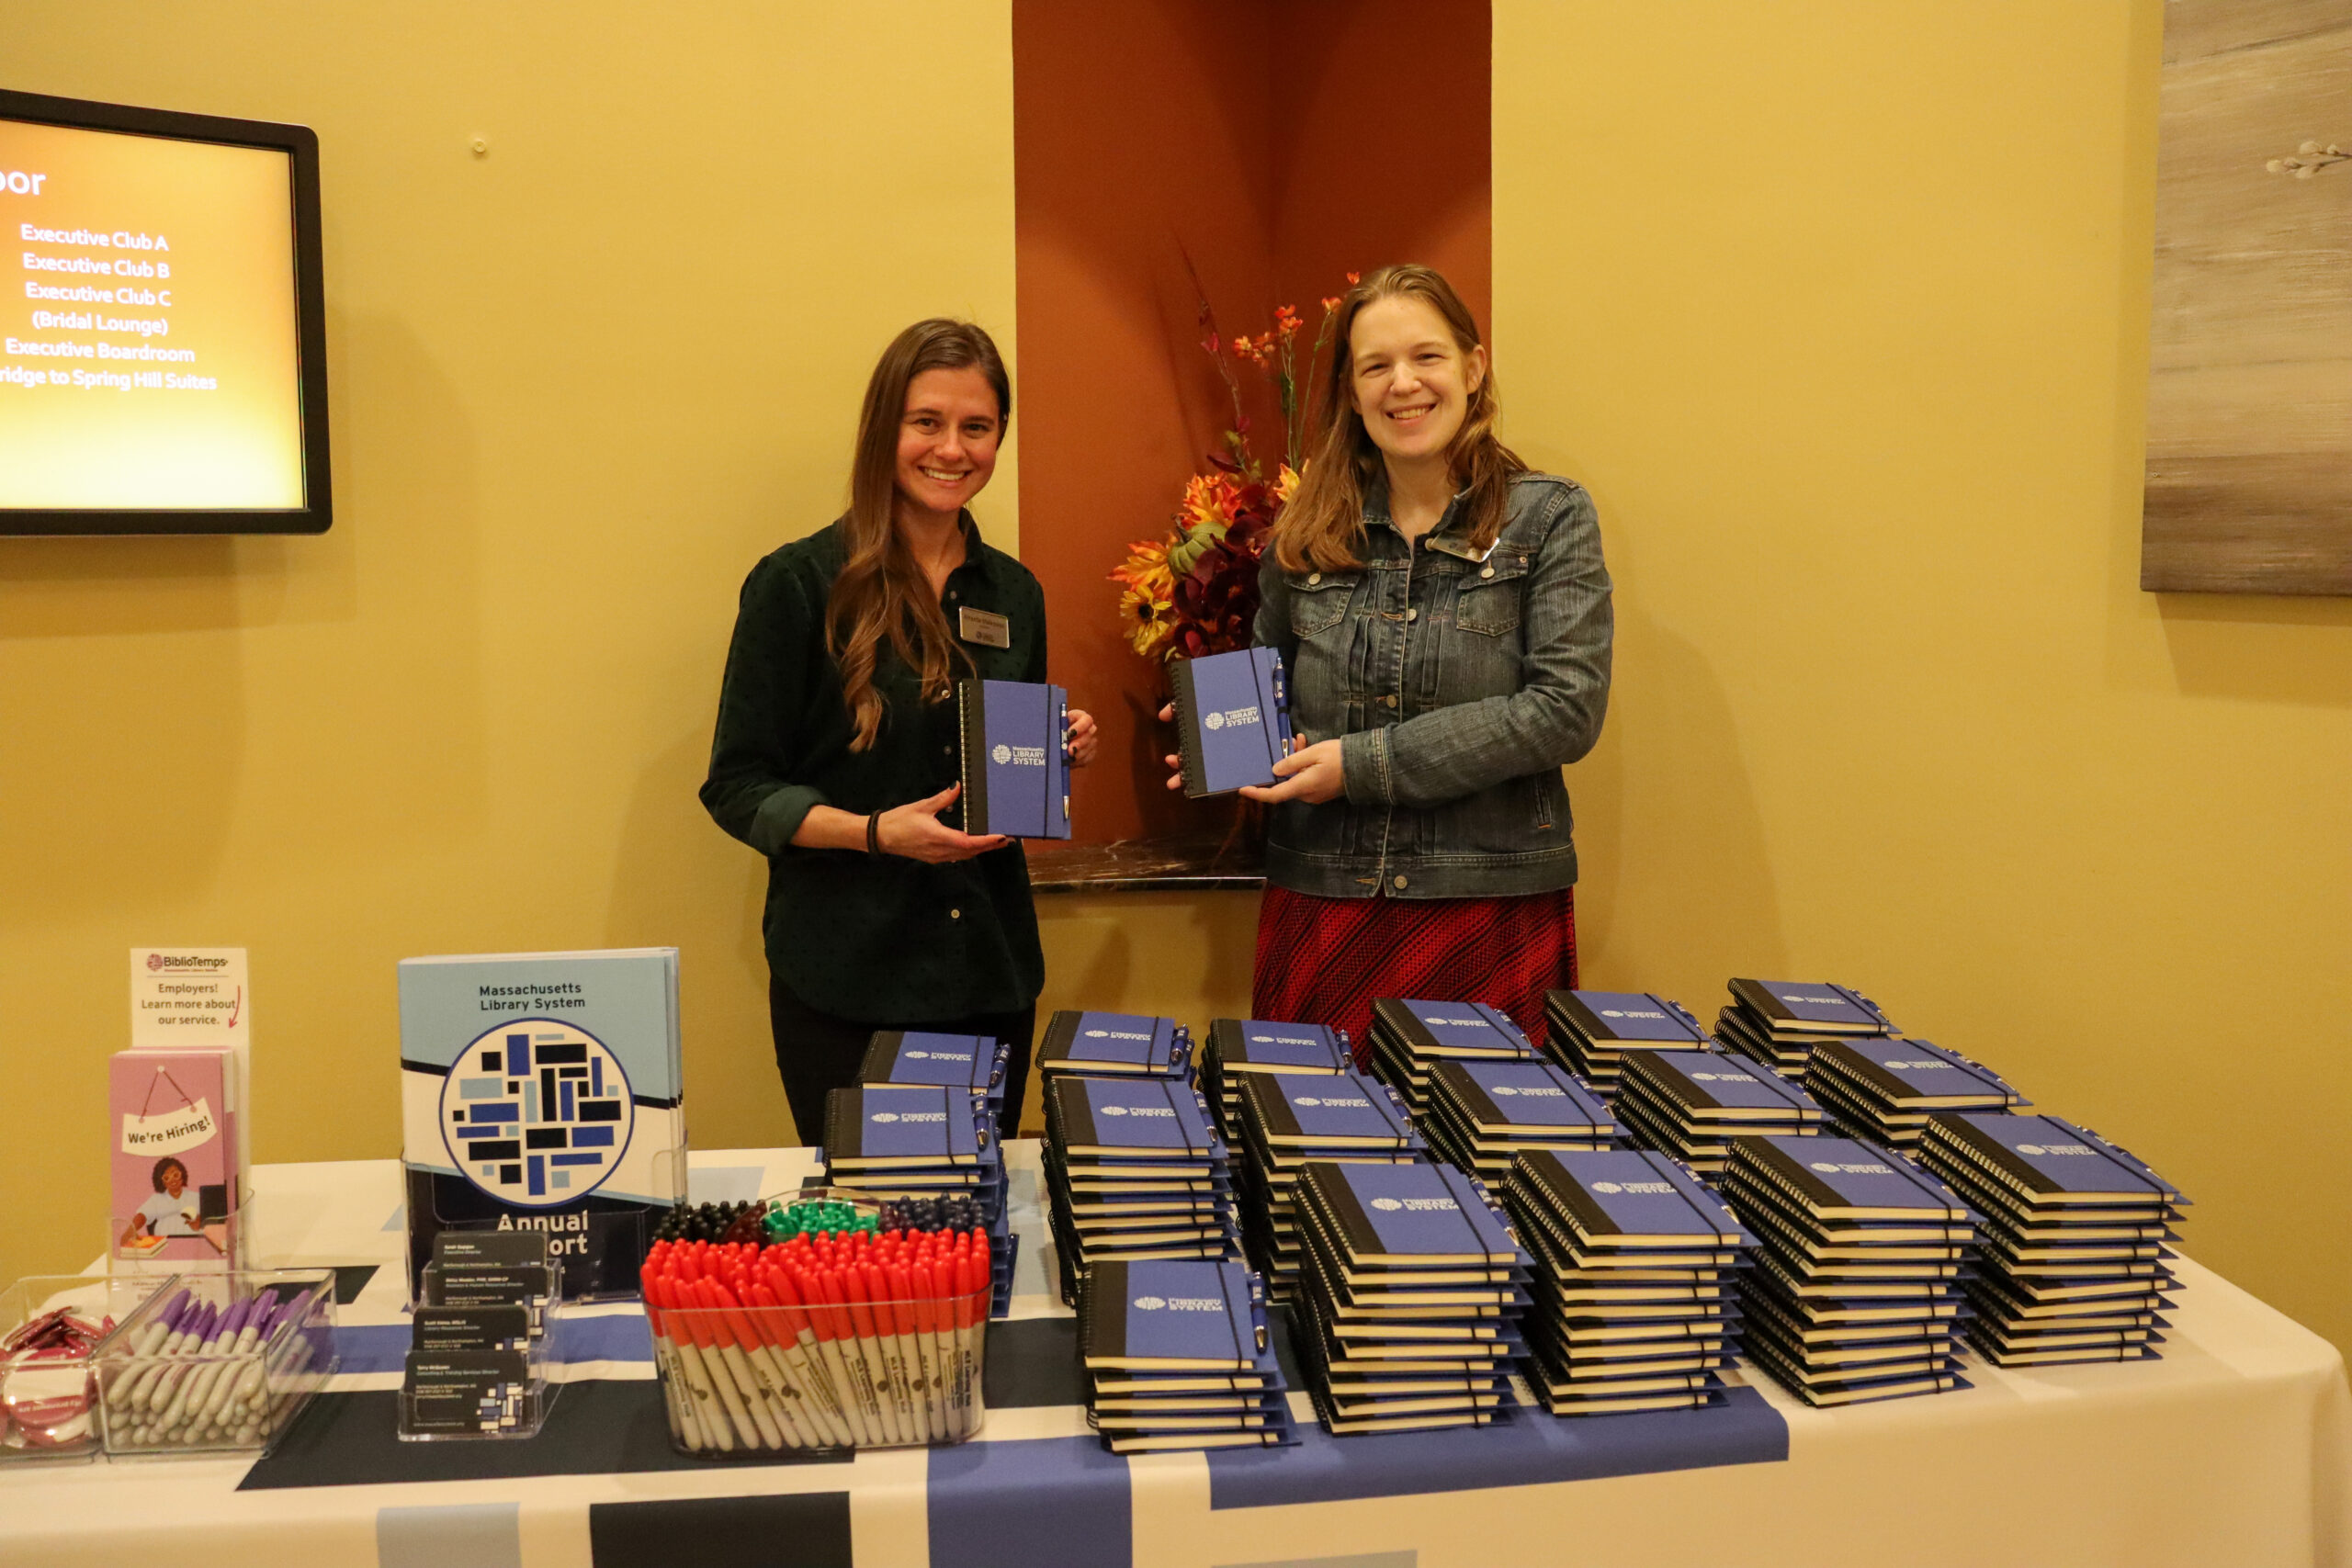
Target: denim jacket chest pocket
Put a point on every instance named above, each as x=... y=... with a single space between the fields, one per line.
x=1488 y=598
x=1319 y=599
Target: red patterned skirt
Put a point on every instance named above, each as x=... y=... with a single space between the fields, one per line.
x=1325 y=960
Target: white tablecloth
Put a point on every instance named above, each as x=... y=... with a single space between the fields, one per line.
x=2236 y=1448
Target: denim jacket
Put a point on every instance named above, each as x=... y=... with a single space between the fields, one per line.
x=1459 y=686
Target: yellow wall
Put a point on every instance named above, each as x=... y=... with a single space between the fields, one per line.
x=1841 y=310
x=579 y=385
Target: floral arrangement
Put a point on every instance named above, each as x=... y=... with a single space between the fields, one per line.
x=1195 y=590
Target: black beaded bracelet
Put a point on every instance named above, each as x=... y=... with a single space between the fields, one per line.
x=873 y=833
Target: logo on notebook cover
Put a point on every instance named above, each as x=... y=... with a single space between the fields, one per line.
x=536 y=1112
x=1114 y=1109
x=885 y=1116
x=1150 y=1303
x=1001 y=755
x=1387 y=1204
x=1607 y=1187
x=1212 y=720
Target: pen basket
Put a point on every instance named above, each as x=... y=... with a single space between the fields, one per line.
x=761 y=1378
x=49 y=1369
x=167 y=1387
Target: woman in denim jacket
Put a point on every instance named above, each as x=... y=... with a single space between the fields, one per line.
x=1444 y=616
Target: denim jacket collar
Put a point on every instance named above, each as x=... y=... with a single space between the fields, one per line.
x=1445 y=537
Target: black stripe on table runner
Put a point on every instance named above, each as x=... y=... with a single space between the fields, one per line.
x=807 y=1530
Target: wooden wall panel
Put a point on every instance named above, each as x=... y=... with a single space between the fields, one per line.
x=2249 y=467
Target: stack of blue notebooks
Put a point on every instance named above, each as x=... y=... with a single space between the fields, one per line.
x=1114 y=1044
x=1407 y=1312
x=2077 y=1265
x=1178 y=1356
x=1778 y=1023
x=1885 y=1088
x=1287 y=1120
x=1855 y=1292
x=1589 y=1032
x=970 y=1062
x=1691 y=1104
x=1236 y=1047
x=1134 y=1170
x=1637 y=1301
x=922 y=1141
x=1483 y=1114
x=1408 y=1038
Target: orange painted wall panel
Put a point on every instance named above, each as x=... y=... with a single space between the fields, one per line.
x=1278 y=145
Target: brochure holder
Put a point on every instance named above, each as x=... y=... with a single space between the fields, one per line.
x=217 y=1362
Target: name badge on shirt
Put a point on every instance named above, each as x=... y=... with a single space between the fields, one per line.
x=984 y=627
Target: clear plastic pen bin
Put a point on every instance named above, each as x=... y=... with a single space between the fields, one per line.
x=745 y=1381
x=216 y=1362
x=52 y=1328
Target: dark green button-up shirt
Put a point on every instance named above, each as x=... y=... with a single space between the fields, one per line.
x=887 y=940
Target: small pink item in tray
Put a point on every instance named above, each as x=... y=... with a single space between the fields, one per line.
x=47 y=1384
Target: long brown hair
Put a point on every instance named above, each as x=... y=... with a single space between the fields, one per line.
x=1323 y=524
x=881 y=590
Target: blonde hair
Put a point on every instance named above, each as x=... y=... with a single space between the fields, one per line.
x=881 y=590
x=1323 y=525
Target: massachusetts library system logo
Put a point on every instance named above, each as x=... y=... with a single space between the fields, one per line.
x=536 y=1112
x=1001 y=755
x=1151 y=1303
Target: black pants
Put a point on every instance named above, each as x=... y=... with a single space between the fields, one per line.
x=816 y=1053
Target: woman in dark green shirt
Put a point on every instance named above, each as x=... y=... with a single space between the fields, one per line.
x=836 y=751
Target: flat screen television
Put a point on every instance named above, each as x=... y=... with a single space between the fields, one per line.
x=163 y=334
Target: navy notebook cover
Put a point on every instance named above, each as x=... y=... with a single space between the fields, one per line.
x=1170 y=1310
x=1257 y=1043
x=1914 y=1068
x=1618 y=1192
x=1402 y=1213
x=1143 y=1115
x=901 y=1124
x=1799 y=1005
x=1016 y=773
x=1525 y=1094
x=1461 y=1025
x=1608 y=1016
x=1847 y=1173
x=2050 y=1156
x=964 y=1061
x=1114 y=1040
x=1232 y=718
x=1705 y=1080
x=1341 y=1106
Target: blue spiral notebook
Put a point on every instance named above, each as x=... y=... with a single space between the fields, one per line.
x=1232 y=718
x=1017 y=771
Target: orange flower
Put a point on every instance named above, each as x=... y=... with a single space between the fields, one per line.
x=1285 y=321
x=1354 y=279
x=1285 y=484
x=1331 y=303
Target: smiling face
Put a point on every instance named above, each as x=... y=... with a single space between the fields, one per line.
x=175 y=1180
x=1412 y=382
x=947 y=439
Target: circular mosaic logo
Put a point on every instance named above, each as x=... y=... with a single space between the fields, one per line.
x=1214 y=721
x=1114 y=1110
x=1607 y=1187
x=536 y=1112
x=1388 y=1205
x=1151 y=1303
x=884 y=1116
x=1001 y=755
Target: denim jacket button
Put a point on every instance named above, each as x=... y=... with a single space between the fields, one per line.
x=1399 y=884
x=1485 y=572
x=1390 y=700
x=1413 y=615
x=1313 y=577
